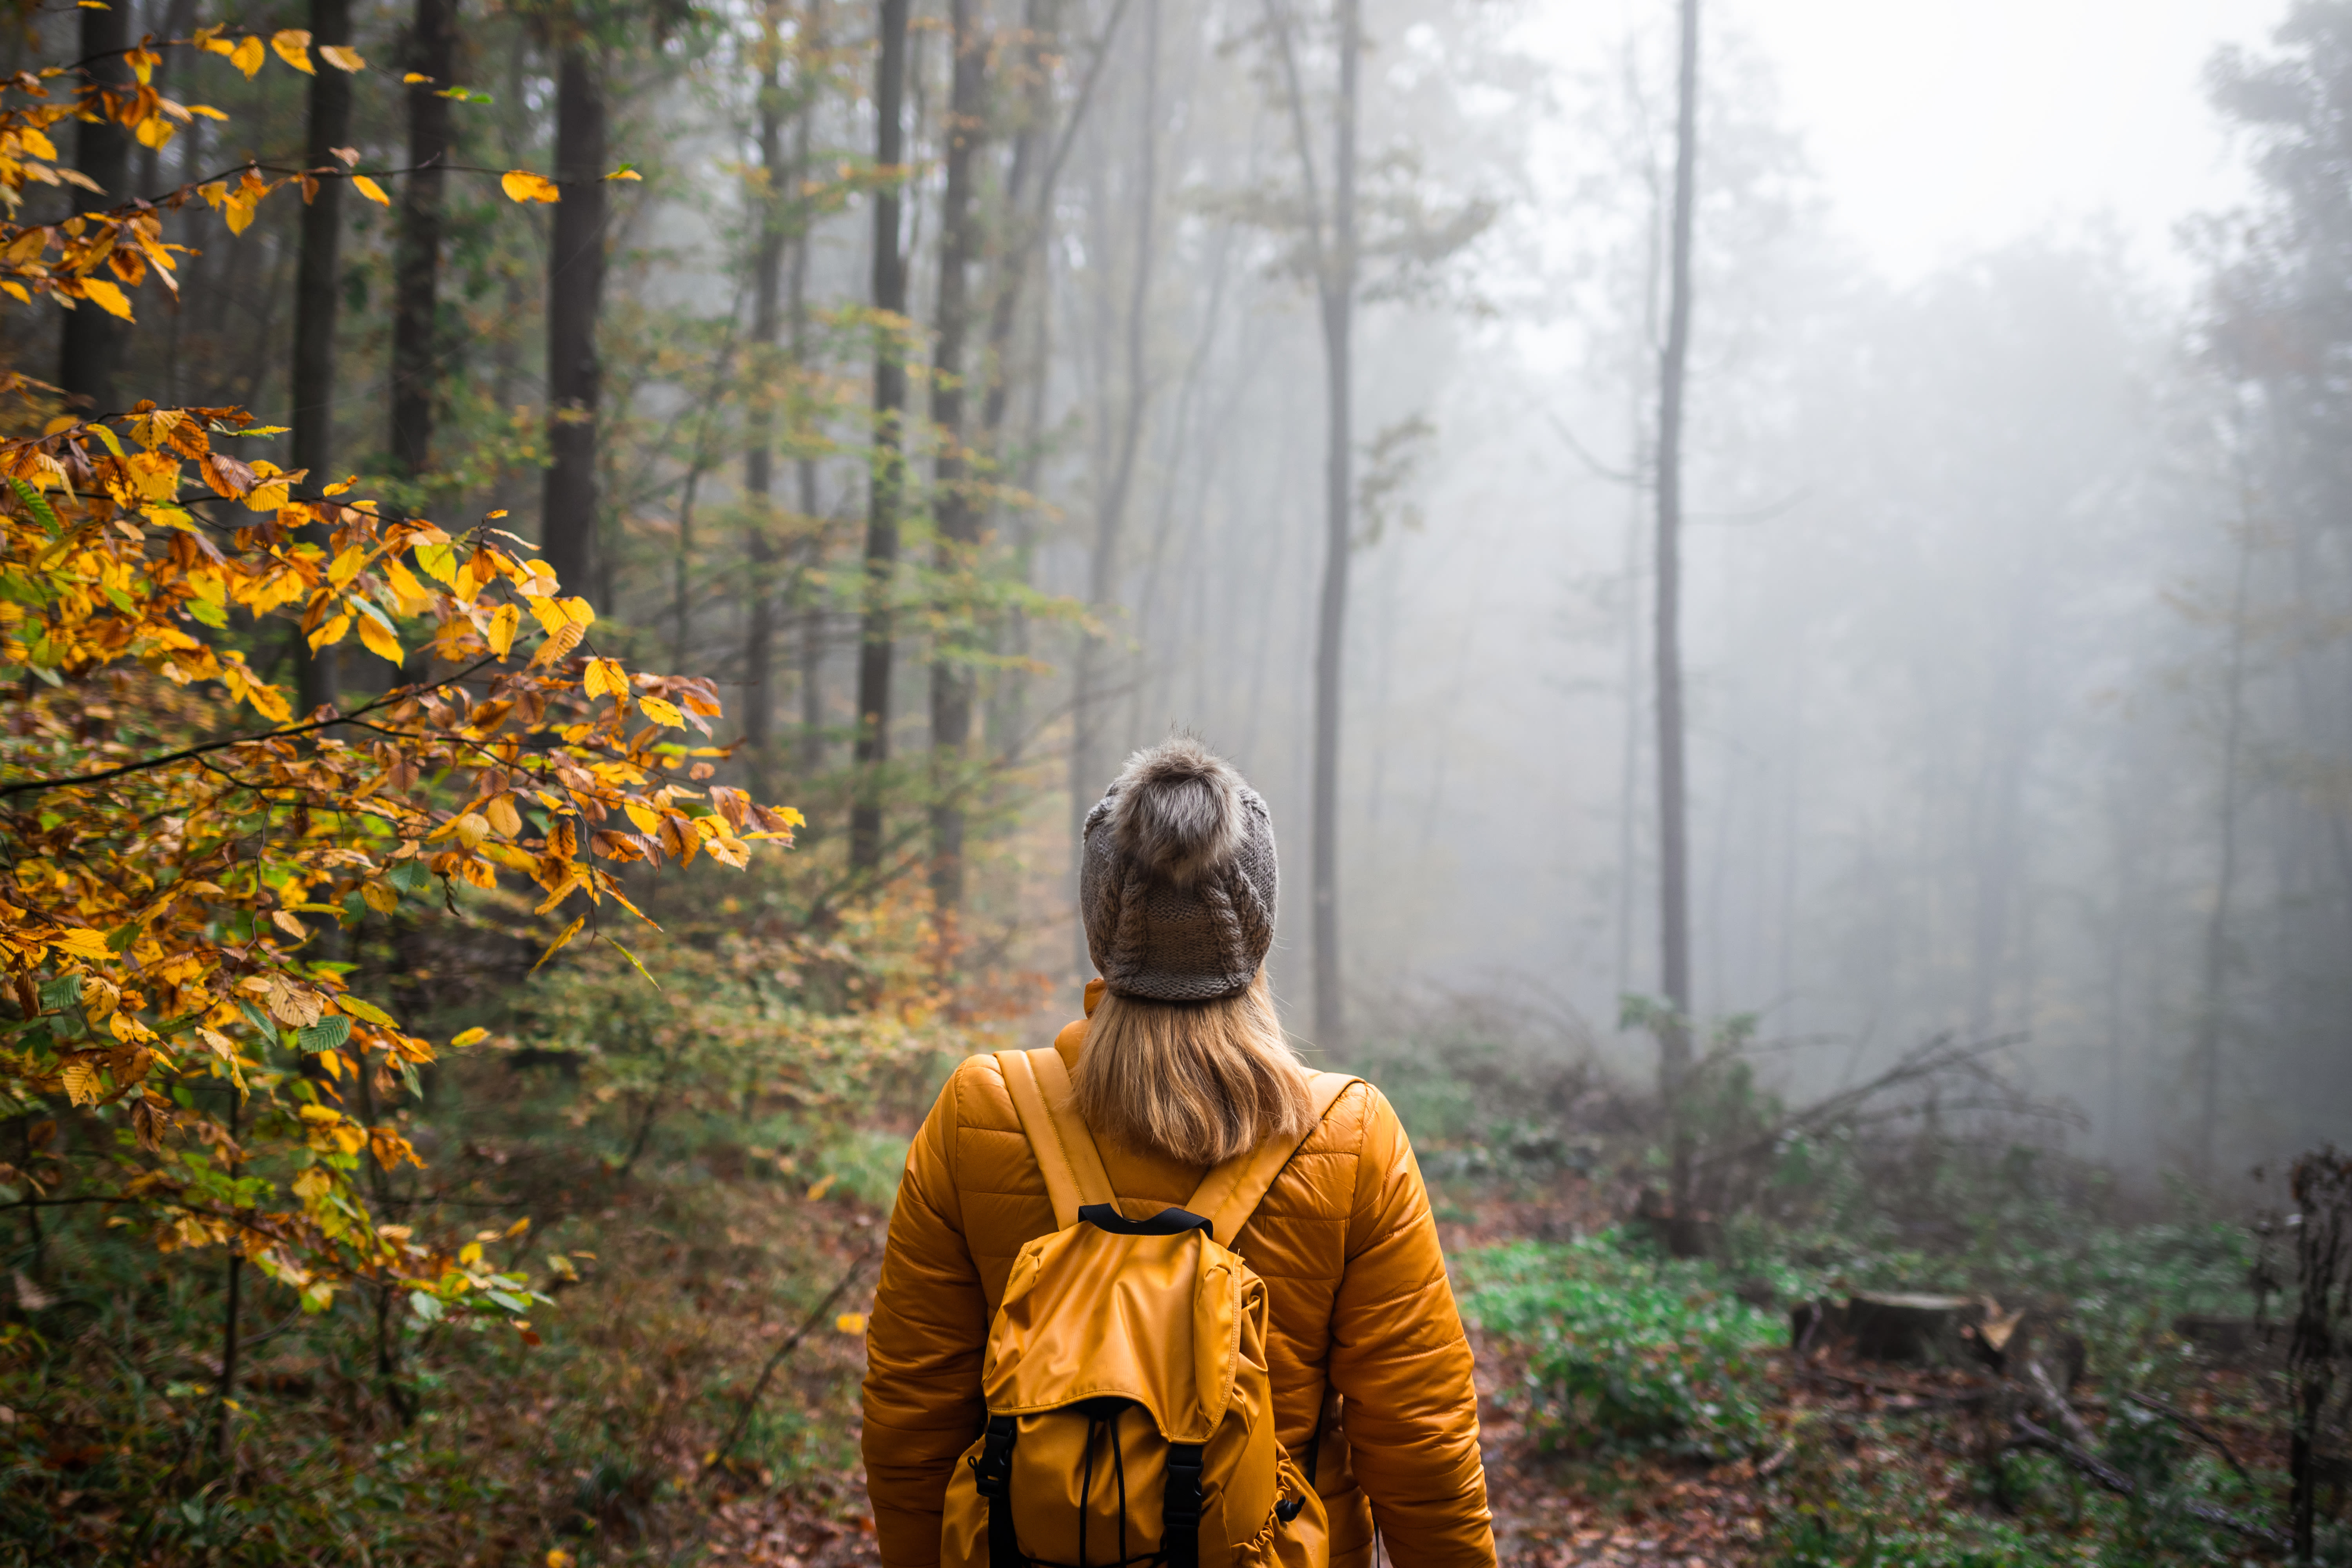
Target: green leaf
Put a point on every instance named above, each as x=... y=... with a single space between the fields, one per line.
x=326 y=1034
x=409 y=877
x=59 y=995
x=40 y=507
x=367 y=1012
x=425 y=1306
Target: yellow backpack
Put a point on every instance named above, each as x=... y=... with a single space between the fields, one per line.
x=1129 y=1416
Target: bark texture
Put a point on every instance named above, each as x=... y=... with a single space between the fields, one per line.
x=432 y=53
x=575 y=289
x=886 y=490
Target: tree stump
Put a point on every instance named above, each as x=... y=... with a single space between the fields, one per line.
x=1912 y=1331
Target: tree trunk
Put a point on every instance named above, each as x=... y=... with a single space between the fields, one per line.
x=416 y=277
x=575 y=287
x=878 y=624
x=318 y=287
x=958 y=518
x=813 y=547
x=1087 y=769
x=1674 y=843
x=91 y=341
x=1339 y=301
x=759 y=436
x=2217 y=921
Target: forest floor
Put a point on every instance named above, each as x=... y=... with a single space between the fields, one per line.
x=1895 y=1473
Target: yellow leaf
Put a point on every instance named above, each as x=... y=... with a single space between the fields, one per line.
x=606 y=678
x=413 y=78
x=108 y=298
x=413 y=596
x=648 y=819
x=823 y=1185
x=81 y=1081
x=472 y=828
x=551 y=614
x=624 y=174
x=239 y=214
x=154 y=131
x=206 y=109
x=380 y=642
x=83 y=943
x=569 y=932
x=504 y=816
x=342 y=57
x=473 y=1036
x=850 y=1324
x=293 y=46
x=581 y=612
x=331 y=633
x=523 y=186
x=503 y=626
x=247 y=56
x=371 y=190
x=661 y=712
x=559 y=1558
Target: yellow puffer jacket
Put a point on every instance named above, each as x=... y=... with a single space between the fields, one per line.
x=1359 y=1301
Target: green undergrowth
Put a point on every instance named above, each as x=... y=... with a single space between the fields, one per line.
x=1624 y=1349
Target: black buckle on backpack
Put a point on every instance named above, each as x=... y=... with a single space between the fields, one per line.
x=992 y=1478
x=1180 y=1507
x=993 y=1469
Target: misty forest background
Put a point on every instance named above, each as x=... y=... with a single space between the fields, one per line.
x=2013 y=604
x=979 y=389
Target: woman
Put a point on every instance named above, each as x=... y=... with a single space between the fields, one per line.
x=1179 y=1065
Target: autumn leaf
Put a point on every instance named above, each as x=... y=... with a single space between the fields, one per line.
x=661 y=712
x=523 y=186
x=108 y=296
x=850 y=1324
x=504 y=816
x=246 y=55
x=504 y=621
x=473 y=1036
x=554 y=947
x=292 y=44
x=368 y=187
x=606 y=678
x=342 y=57
x=80 y=1077
x=379 y=641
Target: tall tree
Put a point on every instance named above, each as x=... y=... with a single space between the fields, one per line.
x=812 y=543
x=1673 y=824
x=575 y=290
x=432 y=53
x=318 y=289
x=1335 y=265
x=771 y=195
x=886 y=488
x=92 y=341
x=959 y=517
x=1088 y=768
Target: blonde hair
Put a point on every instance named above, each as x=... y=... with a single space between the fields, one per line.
x=1201 y=1081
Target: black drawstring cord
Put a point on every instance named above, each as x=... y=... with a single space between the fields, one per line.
x=1086 y=1489
x=1118 y=1468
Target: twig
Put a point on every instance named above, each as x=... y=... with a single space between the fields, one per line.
x=2030 y=1435
x=400 y=694
x=808 y=1326
x=2195 y=1428
x=2055 y=1404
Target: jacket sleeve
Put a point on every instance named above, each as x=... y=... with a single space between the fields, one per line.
x=923 y=1404
x=1400 y=1361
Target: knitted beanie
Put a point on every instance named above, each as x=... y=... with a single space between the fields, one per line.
x=1176 y=878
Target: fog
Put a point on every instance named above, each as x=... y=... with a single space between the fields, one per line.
x=2013 y=560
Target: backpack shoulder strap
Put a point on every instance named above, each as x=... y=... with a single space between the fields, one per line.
x=1066 y=1151
x=1229 y=1194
